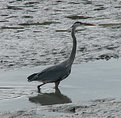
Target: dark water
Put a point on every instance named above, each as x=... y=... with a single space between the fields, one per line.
x=34 y=32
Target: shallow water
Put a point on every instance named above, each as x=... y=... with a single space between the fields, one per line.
x=88 y=81
x=34 y=32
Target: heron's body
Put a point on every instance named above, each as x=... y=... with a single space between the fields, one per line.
x=58 y=72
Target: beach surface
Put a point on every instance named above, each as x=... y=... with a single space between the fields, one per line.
x=92 y=90
x=33 y=36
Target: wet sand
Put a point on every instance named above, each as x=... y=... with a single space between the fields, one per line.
x=92 y=90
x=35 y=33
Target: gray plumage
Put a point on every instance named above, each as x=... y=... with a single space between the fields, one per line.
x=58 y=72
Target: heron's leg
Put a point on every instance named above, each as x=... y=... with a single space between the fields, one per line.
x=57 y=91
x=38 y=87
x=56 y=84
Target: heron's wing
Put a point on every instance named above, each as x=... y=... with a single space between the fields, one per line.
x=52 y=74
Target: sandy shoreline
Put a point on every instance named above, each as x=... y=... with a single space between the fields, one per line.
x=101 y=108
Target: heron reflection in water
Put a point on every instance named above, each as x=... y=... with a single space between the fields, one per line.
x=50 y=98
x=57 y=73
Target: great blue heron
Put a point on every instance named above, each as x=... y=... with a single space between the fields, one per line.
x=57 y=73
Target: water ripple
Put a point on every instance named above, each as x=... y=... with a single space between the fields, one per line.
x=35 y=32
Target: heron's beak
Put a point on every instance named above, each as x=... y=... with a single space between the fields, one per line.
x=89 y=24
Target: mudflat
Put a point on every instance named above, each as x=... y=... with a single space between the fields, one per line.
x=92 y=89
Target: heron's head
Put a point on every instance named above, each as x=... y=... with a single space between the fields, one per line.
x=76 y=24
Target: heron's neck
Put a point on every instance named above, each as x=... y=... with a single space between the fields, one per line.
x=73 y=52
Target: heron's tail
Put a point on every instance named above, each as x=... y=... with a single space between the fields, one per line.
x=32 y=77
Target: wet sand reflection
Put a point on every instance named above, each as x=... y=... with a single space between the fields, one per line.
x=50 y=98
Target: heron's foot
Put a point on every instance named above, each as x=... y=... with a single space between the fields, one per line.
x=39 y=89
x=57 y=91
x=56 y=88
